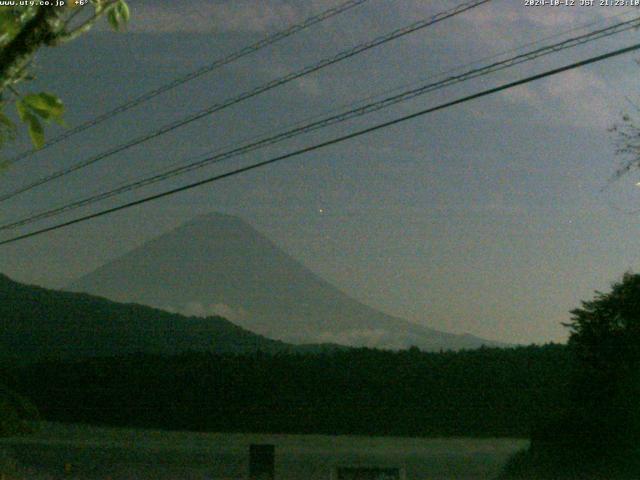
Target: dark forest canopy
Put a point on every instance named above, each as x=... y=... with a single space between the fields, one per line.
x=485 y=392
x=595 y=435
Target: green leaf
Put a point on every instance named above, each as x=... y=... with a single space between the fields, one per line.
x=118 y=14
x=112 y=18
x=45 y=105
x=22 y=109
x=36 y=131
x=124 y=11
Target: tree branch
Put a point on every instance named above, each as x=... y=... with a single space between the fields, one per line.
x=87 y=24
x=17 y=53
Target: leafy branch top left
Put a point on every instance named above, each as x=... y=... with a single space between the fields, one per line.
x=25 y=29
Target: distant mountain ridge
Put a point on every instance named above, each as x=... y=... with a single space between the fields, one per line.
x=218 y=264
x=37 y=323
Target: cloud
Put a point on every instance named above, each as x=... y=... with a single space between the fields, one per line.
x=523 y=94
x=365 y=337
x=370 y=337
x=199 y=309
x=254 y=15
x=476 y=33
x=506 y=25
x=580 y=98
x=202 y=16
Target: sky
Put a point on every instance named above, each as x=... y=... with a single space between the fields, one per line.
x=495 y=217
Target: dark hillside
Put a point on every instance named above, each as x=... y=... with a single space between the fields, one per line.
x=38 y=323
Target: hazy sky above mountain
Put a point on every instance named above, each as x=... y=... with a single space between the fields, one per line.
x=485 y=218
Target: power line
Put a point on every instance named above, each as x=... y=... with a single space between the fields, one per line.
x=334 y=119
x=421 y=24
x=249 y=49
x=327 y=143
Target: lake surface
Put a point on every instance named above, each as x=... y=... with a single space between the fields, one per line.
x=94 y=453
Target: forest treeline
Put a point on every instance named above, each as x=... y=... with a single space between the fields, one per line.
x=484 y=392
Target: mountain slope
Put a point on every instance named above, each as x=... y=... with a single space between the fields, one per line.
x=219 y=264
x=36 y=323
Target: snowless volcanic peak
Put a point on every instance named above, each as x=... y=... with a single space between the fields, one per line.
x=217 y=264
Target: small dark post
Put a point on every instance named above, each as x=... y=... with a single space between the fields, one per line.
x=262 y=462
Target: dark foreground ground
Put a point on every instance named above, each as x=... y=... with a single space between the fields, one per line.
x=94 y=453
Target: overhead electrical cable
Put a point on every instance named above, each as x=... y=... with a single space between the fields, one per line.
x=421 y=24
x=334 y=119
x=145 y=97
x=333 y=141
